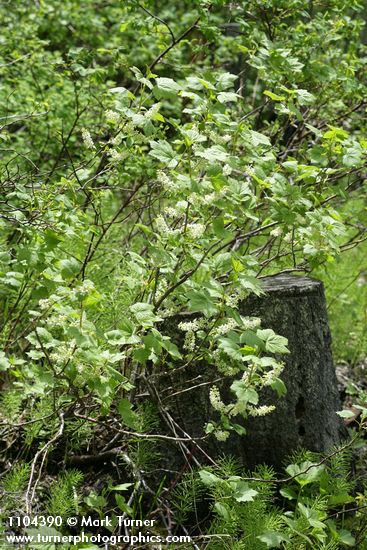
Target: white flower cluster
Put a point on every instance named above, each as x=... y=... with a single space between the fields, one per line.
x=87 y=139
x=232 y=409
x=276 y=232
x=215 y=399
x=260 y=411
x=218 y=139
x=152 y=111
x=162 y=226
x=232 y=300
x=189 y=342
x=188 y=326
x=170 y=212
x=288 y=238
x=181 y=206
x=116 y=156
x=224 y=364
x=63 y=353
x=227 y=170
x=237 y=408
x=221 y=435
x=269 y=377
x=250 y=323
x=117 y=139
x=195 y=230
x=195 y=199
x=226 y=327
x=44 y=303
x=167 y=183
x=161 y=288
x=84 y=289
x=209 y=198
x=167 y=312
x=246 y=377
x=81 y=368
x=58 y=320
x=112 y=116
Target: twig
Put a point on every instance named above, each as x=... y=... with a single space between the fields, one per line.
x=160 y=21
x=192 y=388
x=78 y=460
x=316 y=465
x=141 y=435
x=43 y=452
x=173 y=44
x=15 y=61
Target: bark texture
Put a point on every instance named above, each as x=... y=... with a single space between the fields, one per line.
x=293 y=307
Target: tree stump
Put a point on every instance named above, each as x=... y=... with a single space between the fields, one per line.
x=293 y=307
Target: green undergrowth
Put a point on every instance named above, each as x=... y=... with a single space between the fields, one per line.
x=346 y=294
x=157 y=160
x=316 y=503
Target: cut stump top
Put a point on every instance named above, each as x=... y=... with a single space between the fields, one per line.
x=288 y=284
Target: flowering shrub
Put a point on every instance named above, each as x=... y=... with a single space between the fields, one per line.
x=158 y=161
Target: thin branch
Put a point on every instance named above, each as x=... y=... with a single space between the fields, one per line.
x=15 y=61
x=173 y=44
x=160 y=21
x=138 y=434
x=29 y=498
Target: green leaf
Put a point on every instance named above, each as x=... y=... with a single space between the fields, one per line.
x=225 y=81
x=273 y=342
x=340 y=498
x=163 y=151
x=220 y=231
x=335 y=134
x=237 y=265
x=353 y=156
x=121 y=487
x=259 y=139
x=230 y=347
x=346 y=413
x=306 y=472
x=172 y=349
x=222 y=510
x=208 y=478
x=4 y=362
x=94 y=501
x=289 y=493
x=243 y=493
x=52 y=239
x=202 y=302
x=279 y=386
x=166 y=88
x=214 y=154
x=69 y=267
x=273 y=539
x=240 y=430
x=249 y=338
x=144 y=314
x=120 y=338
x=305 y=97
x=123 y=505
x=346 y=538
x=45 y=337
x=129 y=417
x=227 y=97
x=244 y=393
x=312 y=516
x=141 y=78
x=274 y=97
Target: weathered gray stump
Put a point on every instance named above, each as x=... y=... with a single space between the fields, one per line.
x=293 y=307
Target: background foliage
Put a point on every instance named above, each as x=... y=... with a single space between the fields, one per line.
x=160 y=159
